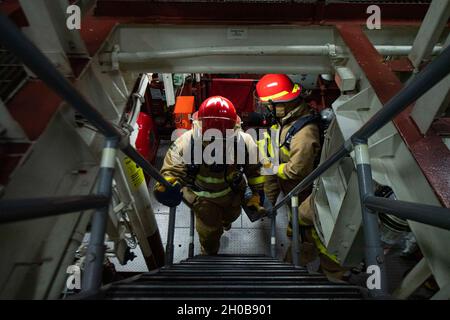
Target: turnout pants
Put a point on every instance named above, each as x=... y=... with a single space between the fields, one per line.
x=211 y=216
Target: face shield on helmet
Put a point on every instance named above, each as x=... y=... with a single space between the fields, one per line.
x=207 y=129
x=217 y=125
x=216 y=119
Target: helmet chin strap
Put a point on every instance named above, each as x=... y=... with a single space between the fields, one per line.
x=273 y=111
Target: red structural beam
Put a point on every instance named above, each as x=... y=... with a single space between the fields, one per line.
x=430 y=152
x=252 y=12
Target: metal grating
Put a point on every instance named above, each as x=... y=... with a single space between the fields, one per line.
x=12 y=74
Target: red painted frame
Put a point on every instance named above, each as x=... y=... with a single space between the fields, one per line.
x=430 y=152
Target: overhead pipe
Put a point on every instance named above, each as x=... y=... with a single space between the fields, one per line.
x=393 y=50
x=140 y=57
x=300 y=50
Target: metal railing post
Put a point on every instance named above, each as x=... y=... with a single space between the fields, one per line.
x=170 y=236
x=92 y=278
x=295 y=251
x=273 y=236
x=373 y=249
x=191 y=235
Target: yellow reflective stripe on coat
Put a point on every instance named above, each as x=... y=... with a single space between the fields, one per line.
x=256 y=180
x=265 y=146
x=212 y=195
x=280 y=172
x=285 y=151
x=274 y=96
x=262 y=147
x=321 y=247
x=212 y=180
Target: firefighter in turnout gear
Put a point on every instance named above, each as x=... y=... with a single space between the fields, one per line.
x=214 y=188
x=294 y=139
x=297 y=148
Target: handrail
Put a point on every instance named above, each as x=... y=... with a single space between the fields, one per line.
x=431 y=215
x=425 y=80
x=24 y=209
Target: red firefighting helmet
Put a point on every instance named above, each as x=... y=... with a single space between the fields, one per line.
x=217 y=113
x=278 y=88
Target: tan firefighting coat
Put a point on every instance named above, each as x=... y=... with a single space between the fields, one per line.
x=295 y=163
x=209 y=193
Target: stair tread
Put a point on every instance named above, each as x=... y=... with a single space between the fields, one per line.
x=239 y=272
x=232 y=277
x=235 y=283
x=235 y=294
x=256 y=263
x=231 y=266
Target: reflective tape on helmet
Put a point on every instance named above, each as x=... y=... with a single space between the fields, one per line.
x=212 y=195
x=256 y=180
x=274 y=96
x=280 y=94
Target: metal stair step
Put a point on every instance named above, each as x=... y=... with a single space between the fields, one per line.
x=232 y=260
x=244 y=256
x=255 y=287
x=232 y=277
x=230 y=267
x=232 y=272
x=236 y=292
x=221 y=282
x=235 y=263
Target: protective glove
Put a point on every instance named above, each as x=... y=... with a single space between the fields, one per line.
x=256 y=201
x=169 y=197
